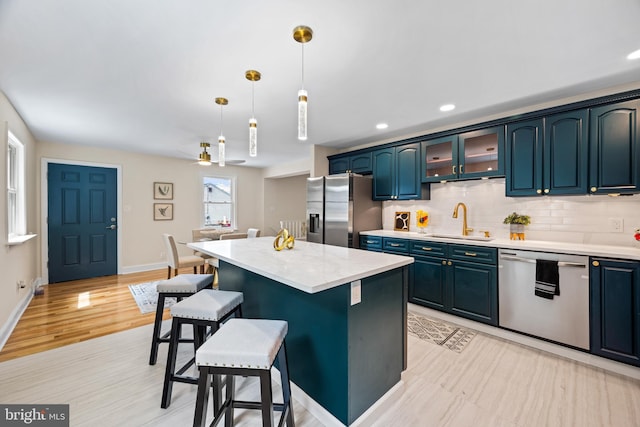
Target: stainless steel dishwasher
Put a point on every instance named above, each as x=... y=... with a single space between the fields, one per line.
x=565 y=318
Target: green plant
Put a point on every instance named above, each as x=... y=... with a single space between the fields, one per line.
x=515 y=218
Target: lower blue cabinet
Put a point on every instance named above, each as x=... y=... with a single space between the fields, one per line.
x=473 y=291
x=615 y=309
x=456 y=279
x=427 y=284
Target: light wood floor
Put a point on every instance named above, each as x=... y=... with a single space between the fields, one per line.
x=493 y=382
x=76 y=311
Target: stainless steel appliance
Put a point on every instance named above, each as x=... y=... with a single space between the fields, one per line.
x=339 y=207
x=565 y=318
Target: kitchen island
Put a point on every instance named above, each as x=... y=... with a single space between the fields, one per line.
x=346 y=308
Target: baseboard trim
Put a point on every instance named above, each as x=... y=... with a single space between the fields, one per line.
x=143 y=267
x=14 y=317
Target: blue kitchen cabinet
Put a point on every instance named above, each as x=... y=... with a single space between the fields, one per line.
x=548 y=156
x=371 y=243
x=395 y=246
x=614 y=152
x=427 y=280
x=468 y=155
x=360 y=163
x=457 y=279
x=396 y=173
x=472 y=283
x=440 y=159
x=615 y=309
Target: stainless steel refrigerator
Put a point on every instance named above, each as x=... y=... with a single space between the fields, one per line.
x=339 y=207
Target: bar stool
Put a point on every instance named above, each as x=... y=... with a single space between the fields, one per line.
x=207 y=308
x=181 y=286
x=247 y=347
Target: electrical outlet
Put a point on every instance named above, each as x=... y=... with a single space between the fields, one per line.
x=615 y=225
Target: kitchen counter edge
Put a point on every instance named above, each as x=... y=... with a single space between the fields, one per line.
x=606 y=251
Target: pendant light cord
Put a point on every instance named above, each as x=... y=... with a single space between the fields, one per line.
x=302 y=65
x=220 y=119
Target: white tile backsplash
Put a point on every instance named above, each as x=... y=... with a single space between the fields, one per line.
x=579 y=219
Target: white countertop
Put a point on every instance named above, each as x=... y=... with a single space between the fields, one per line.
x=309 y=267
x=534 y=245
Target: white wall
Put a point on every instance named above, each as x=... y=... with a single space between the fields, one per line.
x=285 y=199
x=577 y=219
x=142 y=246
x=17 y=263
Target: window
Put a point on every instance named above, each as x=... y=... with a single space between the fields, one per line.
x=219 y=202
x=16 y=210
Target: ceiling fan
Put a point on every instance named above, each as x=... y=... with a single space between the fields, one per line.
x=204 y=157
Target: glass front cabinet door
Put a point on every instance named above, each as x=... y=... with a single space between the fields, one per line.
x=467 y=155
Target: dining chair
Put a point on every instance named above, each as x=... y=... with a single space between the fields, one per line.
x=176 y=261
x=253 y=232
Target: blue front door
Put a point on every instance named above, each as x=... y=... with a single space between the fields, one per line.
x=82 y=222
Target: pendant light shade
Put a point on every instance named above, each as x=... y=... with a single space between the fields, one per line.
x=204 y=159
x=302 y=35
x=221 y=139
x=302 y=115
x=253 y=76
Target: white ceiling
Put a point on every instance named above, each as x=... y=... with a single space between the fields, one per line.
x=142 y=75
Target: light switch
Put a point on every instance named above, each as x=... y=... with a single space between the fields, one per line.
x=356 y=292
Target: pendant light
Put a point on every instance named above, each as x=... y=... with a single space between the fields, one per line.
x=302 y=35
x=253 y=76
x=221 y=140
x=205 y=158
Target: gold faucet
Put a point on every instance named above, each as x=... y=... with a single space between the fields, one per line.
x=465 y=229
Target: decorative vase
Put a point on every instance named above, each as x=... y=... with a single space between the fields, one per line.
x=516 y=231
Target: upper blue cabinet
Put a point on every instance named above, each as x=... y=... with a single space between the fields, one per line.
x=548 y=156
x=468 y=155
x=357 y=163
x=614 y=153
x=396 y=173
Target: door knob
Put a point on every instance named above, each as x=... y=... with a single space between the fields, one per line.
x=111 y=227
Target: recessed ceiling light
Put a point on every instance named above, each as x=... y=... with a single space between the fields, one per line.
x=447 y=107
x=382 y=126
x=634 y=55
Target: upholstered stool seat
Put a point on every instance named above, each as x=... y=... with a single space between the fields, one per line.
x=207 y=308
x=181 y=286
x=247 y=347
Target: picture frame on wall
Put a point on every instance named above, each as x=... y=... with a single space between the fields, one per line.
x=163 y=211
x=401 y=221
x=163 y=190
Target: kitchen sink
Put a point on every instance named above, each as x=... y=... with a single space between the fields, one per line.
x=460 y=237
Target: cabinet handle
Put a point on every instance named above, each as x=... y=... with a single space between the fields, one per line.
x=594 y=189
x=395 y=245
x=449 y=263
x=595 y=263
x=546 y=191
x=371 y=241
x=461 y=169
x=427 y=249
x=539 y=191
x=444 y=262
x=453 y=169
x=471 y=254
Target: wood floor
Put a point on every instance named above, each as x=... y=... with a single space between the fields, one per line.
x=76 y=311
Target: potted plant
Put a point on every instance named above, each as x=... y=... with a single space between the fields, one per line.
x=516 y=224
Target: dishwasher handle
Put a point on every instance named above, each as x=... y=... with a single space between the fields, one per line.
x=533 y=261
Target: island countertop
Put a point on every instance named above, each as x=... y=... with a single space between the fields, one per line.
x=309 y=267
